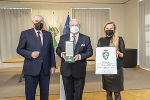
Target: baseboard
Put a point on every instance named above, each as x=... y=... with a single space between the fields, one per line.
x=10 y=65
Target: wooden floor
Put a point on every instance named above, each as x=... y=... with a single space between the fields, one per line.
x=126 y=95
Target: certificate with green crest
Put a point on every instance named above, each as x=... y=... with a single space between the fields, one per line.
x=106 y=60
x=69 y=52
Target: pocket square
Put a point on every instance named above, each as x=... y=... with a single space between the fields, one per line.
x=82 y=45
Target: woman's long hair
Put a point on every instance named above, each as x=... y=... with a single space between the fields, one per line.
x=114 y=39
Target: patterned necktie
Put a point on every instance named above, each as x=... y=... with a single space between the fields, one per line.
x=39 y=38
x=74 y=42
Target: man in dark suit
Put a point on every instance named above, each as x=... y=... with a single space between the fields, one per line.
x=73 y=74
x=36 y=47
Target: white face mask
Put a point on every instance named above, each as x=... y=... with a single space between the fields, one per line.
x=74 y=29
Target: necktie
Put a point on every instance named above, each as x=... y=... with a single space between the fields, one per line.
x=39 y=38
x=74 y=42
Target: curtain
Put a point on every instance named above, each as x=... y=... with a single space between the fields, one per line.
x=12 y=22
x=92 y=22
x=144 y=34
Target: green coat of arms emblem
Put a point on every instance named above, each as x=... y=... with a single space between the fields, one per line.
x=105 y=54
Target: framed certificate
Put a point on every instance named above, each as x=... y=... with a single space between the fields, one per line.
x=69 y=52
x=106 y=60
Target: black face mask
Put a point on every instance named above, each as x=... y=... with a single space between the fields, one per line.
x=38 y=26
x=109 y=32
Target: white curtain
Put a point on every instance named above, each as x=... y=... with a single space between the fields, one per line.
x=12 y=22
x=92 y=22
x=144 y=34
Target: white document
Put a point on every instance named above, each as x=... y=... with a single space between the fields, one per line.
x=106 y=60
x=69 y=48
x=69 y=52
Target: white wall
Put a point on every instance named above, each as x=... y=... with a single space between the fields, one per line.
x=125 y=16
x=131 y=14
x=61 y=11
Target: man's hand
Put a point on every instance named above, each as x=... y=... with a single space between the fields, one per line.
x=52 y=70
x=35 y=54
x=63 y=55
x=76 y=58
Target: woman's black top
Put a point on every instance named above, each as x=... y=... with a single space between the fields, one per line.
x=105 y=41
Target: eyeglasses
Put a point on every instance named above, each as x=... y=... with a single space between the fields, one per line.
x=74 y=25
x=36 y=21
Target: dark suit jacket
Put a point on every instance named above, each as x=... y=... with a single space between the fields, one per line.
x=29 y=43
x=83 y=47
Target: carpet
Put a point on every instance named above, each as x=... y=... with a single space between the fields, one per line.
x=133 y=79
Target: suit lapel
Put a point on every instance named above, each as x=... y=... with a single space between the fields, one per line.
x=79 y=41
x=35 y=39
x=67 y=37
x=44 y=40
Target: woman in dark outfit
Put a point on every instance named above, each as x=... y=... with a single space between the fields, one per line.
x=113 y=83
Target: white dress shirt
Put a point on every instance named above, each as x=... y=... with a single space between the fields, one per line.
x=41 y=35
x=71 y=39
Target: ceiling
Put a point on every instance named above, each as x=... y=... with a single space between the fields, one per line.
x=74 y=1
